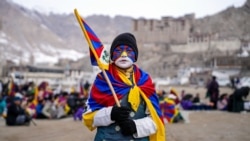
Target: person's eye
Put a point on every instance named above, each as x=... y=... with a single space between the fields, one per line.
x=117 y=51
x=129 y=50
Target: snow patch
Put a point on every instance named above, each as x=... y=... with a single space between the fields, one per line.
x=44 y=26
x=47 y=47
x=2 y=34
x=3 y=41
x=16 y=47
x=69 y=54
x=41 y=58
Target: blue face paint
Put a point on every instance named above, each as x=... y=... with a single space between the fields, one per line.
x=118 y=51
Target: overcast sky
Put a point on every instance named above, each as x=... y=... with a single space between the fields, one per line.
x=133 y=8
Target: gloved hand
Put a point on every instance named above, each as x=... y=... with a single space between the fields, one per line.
x=119 y=113
x=127 y=126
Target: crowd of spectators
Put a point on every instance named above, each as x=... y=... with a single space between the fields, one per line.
x=19 y=104
x=171 y=103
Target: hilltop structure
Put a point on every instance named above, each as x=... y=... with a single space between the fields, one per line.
x=166 y=30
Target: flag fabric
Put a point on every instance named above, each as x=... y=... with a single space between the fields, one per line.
x=98 y=55
x=11 y=88
x=169 y=109
x=101 y=96
x=35 y=100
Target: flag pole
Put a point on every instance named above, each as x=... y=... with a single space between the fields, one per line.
x=92 y=49
x=111 y=88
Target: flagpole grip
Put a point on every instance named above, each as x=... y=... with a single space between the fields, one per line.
x=111 y=88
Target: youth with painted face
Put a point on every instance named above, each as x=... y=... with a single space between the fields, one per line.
x=139 y=118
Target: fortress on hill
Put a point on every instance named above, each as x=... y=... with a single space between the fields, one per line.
x=169 y=30
x=166 y=30
x=208 y=42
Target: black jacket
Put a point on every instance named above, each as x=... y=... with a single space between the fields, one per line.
x=12 y=113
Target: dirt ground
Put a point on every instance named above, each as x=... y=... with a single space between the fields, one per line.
x=202 y=126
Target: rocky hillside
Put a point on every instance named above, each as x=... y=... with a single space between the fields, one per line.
x=230 y=23
x=26 y=34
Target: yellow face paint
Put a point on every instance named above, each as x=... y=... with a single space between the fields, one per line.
x=124 y=54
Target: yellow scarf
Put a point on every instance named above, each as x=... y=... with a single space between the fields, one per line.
x=134 y=100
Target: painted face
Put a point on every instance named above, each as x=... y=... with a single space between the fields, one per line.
x=124 y=62
x=124 y=56
x=123 y=51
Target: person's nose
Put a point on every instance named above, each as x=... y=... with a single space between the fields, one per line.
x=124 y=54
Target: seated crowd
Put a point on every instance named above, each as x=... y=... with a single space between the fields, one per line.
x=171 y=103
x=19 y=105
x=235 y=102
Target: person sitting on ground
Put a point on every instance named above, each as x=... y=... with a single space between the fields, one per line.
x=80 y=110
x=222 y=102
x=39 y=108
x=49 y=109
x=62 y=106
x=16 y=115
x=186 y=102
x=196 y=99
x=197 y=105
x=29 y=106
x=3 y=107
x=45 y=109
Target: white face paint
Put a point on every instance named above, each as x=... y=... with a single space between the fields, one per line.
x=124 y=62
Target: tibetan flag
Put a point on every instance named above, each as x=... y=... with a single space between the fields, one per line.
x=98 y=55
x=169 y=109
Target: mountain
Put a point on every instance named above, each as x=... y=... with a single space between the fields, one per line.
x=229 y=23
x=26 y=34
x=22 y=34
x=67 y=27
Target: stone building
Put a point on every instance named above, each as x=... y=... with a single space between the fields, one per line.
x=201 y=38
x=225 y=62
x=168 y=30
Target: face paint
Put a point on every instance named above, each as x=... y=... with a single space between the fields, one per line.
x=123 y=51
x=124 y=62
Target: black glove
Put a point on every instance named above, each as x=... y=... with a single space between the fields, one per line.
x=120 y=113
x=128 y=127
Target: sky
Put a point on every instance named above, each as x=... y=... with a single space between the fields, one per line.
x=150 y=9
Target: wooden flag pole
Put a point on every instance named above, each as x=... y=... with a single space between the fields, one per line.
x=92 y=49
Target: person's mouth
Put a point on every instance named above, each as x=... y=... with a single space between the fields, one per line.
x=123 y=60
